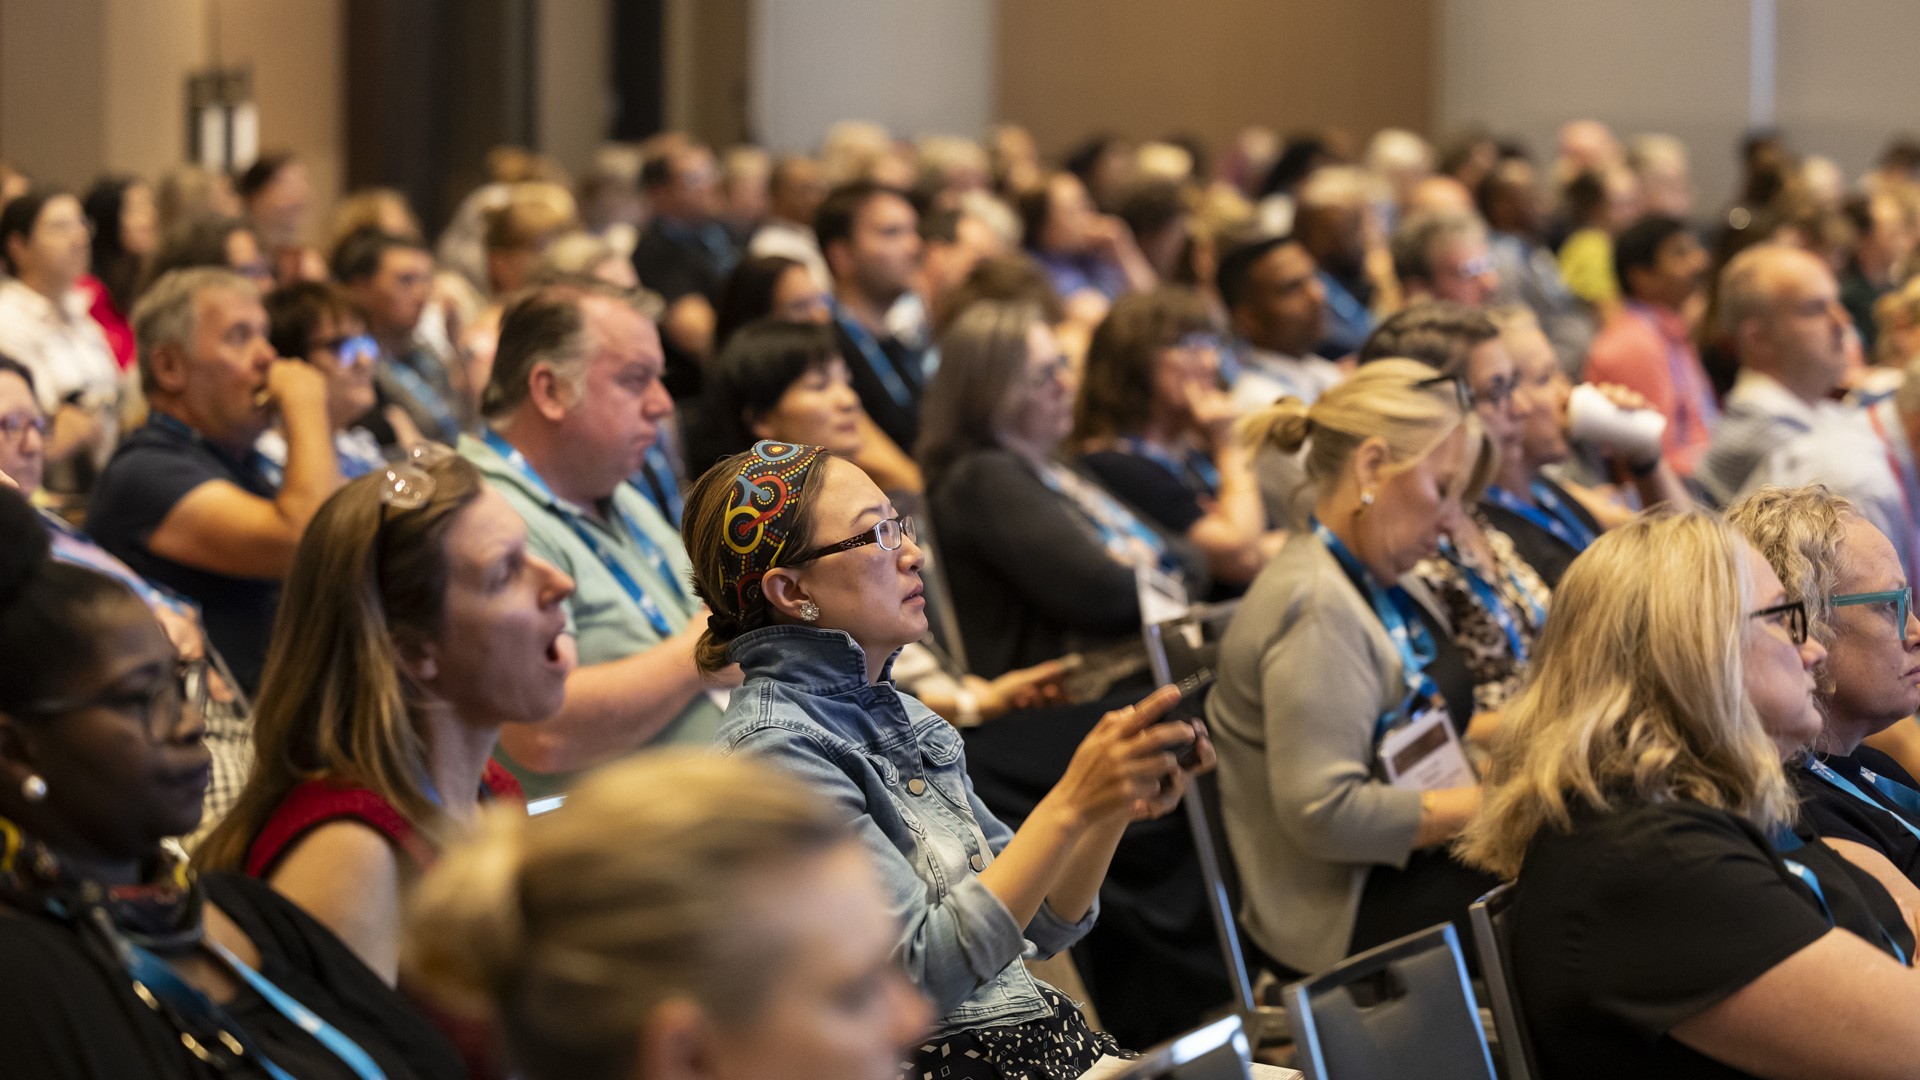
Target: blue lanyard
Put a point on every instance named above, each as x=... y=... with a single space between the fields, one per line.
x=662 y=488
x=1900 y=794
x=426 y=397
x=152 y=595
x=1118 y=528
x=1495 y=604
x=1558 y=518
x=1192 y=469
x=1408 y=633
x=1784 y=841
x=607 y=558
x=873 y=356
x=157 y=974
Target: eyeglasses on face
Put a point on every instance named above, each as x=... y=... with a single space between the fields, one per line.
x=158 y=706
x=889 y=534
x=1498 y=394
x=14 y=426
x=352 y=350
x=1899 y=602
x=1791 y=617
x=1198 y=341
x=1049 y=373
x=1455 y=384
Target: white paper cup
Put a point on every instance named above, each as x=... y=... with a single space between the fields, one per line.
x=1633 y=434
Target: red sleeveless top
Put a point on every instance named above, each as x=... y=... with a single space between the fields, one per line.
x=317 y=802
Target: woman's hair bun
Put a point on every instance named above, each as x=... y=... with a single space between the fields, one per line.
x=24 y=547
x=1283 y=425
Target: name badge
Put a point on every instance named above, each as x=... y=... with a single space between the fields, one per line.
x=1425 y=754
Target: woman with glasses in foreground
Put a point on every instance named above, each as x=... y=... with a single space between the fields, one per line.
x=1154 y=424
x=414 y=624
x=119 y=960
x=1666 y=920
x=746 y=935
x=1342 y=702
x=814 y=586
x=1860 y=607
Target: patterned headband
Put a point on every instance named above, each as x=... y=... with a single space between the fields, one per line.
x=759 y=516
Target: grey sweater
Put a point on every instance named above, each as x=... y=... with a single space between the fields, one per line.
x=1305 y=672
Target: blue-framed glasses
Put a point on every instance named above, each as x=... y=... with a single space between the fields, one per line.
x=1897 y=601
x=352 y=351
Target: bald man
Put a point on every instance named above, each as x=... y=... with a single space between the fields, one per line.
x=1780 y=306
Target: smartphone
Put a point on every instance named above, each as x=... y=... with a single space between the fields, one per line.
x=1190 y=709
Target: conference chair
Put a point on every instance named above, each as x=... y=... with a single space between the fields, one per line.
x=1491 y=941
x=1419 y=1017
x=1176 y=649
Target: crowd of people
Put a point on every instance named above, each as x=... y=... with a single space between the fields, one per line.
x=685 y=620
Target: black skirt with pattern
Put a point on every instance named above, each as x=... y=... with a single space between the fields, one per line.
x=1056 y=1047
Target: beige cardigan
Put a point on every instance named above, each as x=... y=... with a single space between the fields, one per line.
x=1305 y=671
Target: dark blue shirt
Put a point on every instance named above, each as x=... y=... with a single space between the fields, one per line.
x=153 y=469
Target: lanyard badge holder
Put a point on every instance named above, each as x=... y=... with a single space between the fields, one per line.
x=1415 y=744
x=651 y=610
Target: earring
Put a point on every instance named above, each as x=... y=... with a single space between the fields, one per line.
x=1366 y=497
x=809 y=611
x=33 y=788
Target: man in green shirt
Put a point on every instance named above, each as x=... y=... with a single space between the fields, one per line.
x=571 y=408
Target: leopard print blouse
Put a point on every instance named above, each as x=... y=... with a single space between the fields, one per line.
x=1497 y=672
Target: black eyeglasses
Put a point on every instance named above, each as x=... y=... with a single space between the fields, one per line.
x=1791 y=617
x=158 y=706
x=889 y=534
x=1496 y=395
x=1462 y=393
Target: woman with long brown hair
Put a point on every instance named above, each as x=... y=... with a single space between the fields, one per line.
x=415 y=623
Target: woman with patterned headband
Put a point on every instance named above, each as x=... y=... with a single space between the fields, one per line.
x=814 y=585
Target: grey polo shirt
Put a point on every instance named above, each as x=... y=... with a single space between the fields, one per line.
x=604 y=619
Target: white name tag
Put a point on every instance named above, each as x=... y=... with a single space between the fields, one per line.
x=1425 y=754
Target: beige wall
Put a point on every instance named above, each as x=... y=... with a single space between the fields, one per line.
x=52 y=88
x=1522 y=68
x=572 y=79
x=1847 y=77
x=915 y=66
x=1148 y=68
x=93 y=86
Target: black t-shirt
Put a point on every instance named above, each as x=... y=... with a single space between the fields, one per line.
x=675 y=259
x=1546 y=553
x=69 y=1016
x=153 y=469
x=1637 y=919
x=1826 y=810
x=890 y=376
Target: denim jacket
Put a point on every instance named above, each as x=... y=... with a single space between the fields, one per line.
x=900 y=773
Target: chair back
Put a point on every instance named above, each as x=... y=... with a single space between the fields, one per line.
x=1217 y=1051
x=1422 y=1020
x=1492 y=941
x=1181 y=647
